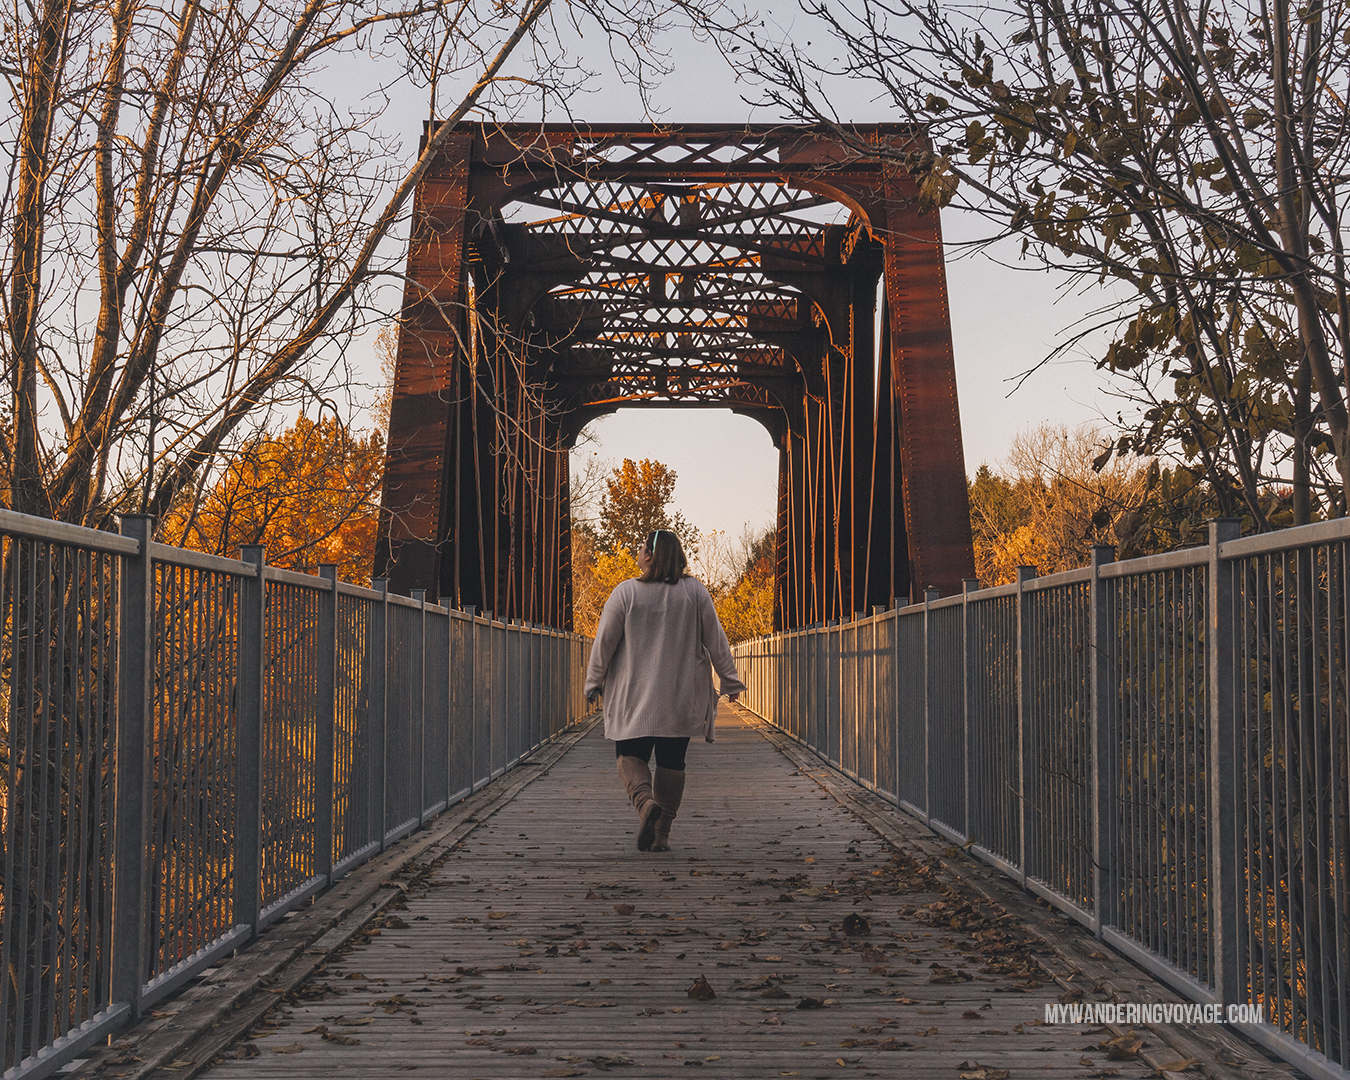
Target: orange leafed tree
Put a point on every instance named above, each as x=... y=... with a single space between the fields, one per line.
x=310 y=495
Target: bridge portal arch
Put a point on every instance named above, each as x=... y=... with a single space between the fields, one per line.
x=559 y=273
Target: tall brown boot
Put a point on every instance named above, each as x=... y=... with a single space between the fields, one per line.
x=668 y=790
x=637 y=779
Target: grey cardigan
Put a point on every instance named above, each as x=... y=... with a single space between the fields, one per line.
x=651 y=659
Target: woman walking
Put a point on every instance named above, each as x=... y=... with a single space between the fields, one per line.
x=657 y=637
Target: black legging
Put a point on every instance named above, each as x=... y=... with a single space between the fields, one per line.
x=669 y=751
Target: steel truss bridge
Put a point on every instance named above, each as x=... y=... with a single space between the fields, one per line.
x=558 y=274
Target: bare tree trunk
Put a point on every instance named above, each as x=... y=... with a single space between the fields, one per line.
x=27 y=492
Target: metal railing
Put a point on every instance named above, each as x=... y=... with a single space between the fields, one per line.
x=190 y=746
x=1158 y=747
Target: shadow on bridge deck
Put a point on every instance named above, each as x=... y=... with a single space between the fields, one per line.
x=541 y=944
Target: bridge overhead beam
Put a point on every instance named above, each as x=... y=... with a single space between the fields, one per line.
x=561 y=274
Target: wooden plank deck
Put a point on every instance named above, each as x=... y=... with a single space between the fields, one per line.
x=545 y=945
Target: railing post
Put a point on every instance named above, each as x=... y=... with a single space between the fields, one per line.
x=1103 y=736
x=450 y=697
x=968 y=586
x=1024 y=574
x=471 y=659
x=419 y=739
x=379 y=680
x=248 y=742
x=897 y=754
x=930 y=595
x=1222 y=770
x=135 y=663
x=326 y=720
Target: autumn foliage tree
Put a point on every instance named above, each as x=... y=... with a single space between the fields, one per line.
x=1048 y=505
x=310 y=495
x=745 y=608
x=636 y=500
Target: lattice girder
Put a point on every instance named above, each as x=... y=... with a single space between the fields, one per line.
x=692 y=266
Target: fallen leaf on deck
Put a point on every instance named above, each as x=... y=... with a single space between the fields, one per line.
x=1123 y=1047
x=810 y=1003
x=973 y=1070
x=1179 y=1066
x=702 y=990
x=288 y=1048
x=894 y=1044
x=624 y=909
x=855 y=925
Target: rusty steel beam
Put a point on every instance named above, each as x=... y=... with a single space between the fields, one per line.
x=559 y=273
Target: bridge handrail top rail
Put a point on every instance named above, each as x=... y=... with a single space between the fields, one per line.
x=169 y=555
x=28 y=527
x=1319 y=532
x=1147 y=564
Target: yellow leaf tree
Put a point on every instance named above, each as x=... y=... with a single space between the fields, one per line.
x=310 y=495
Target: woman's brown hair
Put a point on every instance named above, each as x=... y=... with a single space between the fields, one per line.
x=668 y=563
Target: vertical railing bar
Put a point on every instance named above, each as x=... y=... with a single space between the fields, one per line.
x=1171 y=932
x=1149 y=727
x=1101 y=645
x=1339 y=794
x=1024 y=574
x=1266 y=610
x=449 y=700
x=9 y=557
x=61 y=722
x=131 y=811
x=1197 y=823
x=1220 y=765
x=248 y=839
x=188 y=920
x=67 y=716
x=1254 y=740
x=418 y=738
x=1156 y=726
x=1182 y=952
x=1191 y=959
x=18 y=558
x=204 y=683
x=172 y=869
x=929 y=596
x=228 y=612
x=1323 y=893
x=46 y=789
x=325 y=723
x=1279 y=690
x=80 y=810
x=378 y=653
